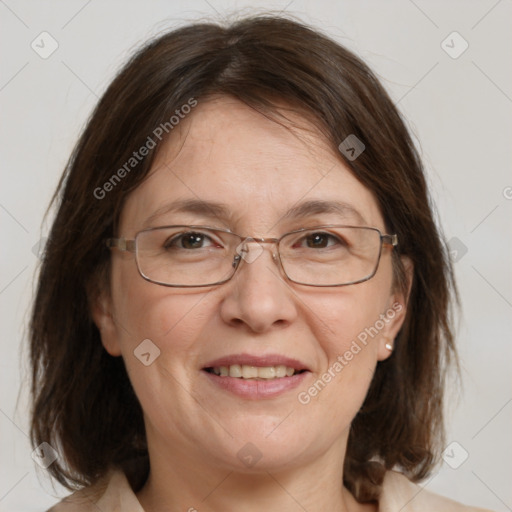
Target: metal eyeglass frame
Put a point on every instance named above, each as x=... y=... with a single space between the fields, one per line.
x=130 y=245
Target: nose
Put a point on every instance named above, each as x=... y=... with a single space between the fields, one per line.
x=257 y=296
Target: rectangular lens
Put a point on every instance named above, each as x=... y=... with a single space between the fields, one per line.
x=329 y=256
x=185 y=255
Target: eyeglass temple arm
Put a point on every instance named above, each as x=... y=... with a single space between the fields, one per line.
x=121 y=243
x=390 y=240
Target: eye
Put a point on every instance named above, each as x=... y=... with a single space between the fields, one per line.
x=190 y=240
x=319 y=240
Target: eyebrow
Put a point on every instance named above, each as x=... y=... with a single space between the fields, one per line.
x=209 y=209
x=215 y=210
x=316 y=207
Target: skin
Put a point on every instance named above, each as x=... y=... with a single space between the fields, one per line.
x=226 y=152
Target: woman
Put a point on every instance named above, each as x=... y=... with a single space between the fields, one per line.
x=244 y=298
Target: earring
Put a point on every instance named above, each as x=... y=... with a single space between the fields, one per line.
x=389 y=347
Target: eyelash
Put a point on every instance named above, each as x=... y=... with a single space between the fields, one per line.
x=176 y=239
x=180 y=237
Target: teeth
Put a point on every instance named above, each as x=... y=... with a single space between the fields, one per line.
x=235 y=370
x=249 y=372
x=254 y=372
x=267 y=372
x=280 y=371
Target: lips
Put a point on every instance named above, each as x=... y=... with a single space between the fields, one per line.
x=256 y=377
x=258 y=361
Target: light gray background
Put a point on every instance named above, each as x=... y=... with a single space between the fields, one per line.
x=458 y=108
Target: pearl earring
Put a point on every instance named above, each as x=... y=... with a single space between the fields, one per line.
x=389 y=346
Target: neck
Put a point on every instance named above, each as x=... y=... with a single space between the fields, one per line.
x=178 y=481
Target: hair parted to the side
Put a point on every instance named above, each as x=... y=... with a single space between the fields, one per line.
x=83 y=402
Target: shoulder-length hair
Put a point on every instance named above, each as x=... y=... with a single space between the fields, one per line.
x=83 y=402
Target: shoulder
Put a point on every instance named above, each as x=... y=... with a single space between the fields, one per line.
x=111 y=494
x=399 y=493
x=114 y=493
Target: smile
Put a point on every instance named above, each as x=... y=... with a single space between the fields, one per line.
x=256 y=377
x=254 y=372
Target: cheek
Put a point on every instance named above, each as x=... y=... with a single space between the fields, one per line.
x=368 y=296
x=146 y=310
x=172 y=321
x=347 y=325
x=348 y=315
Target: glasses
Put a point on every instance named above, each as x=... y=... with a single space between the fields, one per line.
x=194 y=256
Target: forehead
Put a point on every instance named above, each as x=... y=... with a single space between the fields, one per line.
x=255 y=168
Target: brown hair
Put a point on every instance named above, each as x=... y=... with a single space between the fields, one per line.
x=262 y=61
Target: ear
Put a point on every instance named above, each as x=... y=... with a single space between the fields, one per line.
x=101 y=312
x=394 y=316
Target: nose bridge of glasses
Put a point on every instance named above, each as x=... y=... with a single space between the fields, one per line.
x=257 y=246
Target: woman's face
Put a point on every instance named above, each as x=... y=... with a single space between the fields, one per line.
x=258 y=171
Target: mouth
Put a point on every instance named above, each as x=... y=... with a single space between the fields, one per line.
x=250 y=372
x=256 y=377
